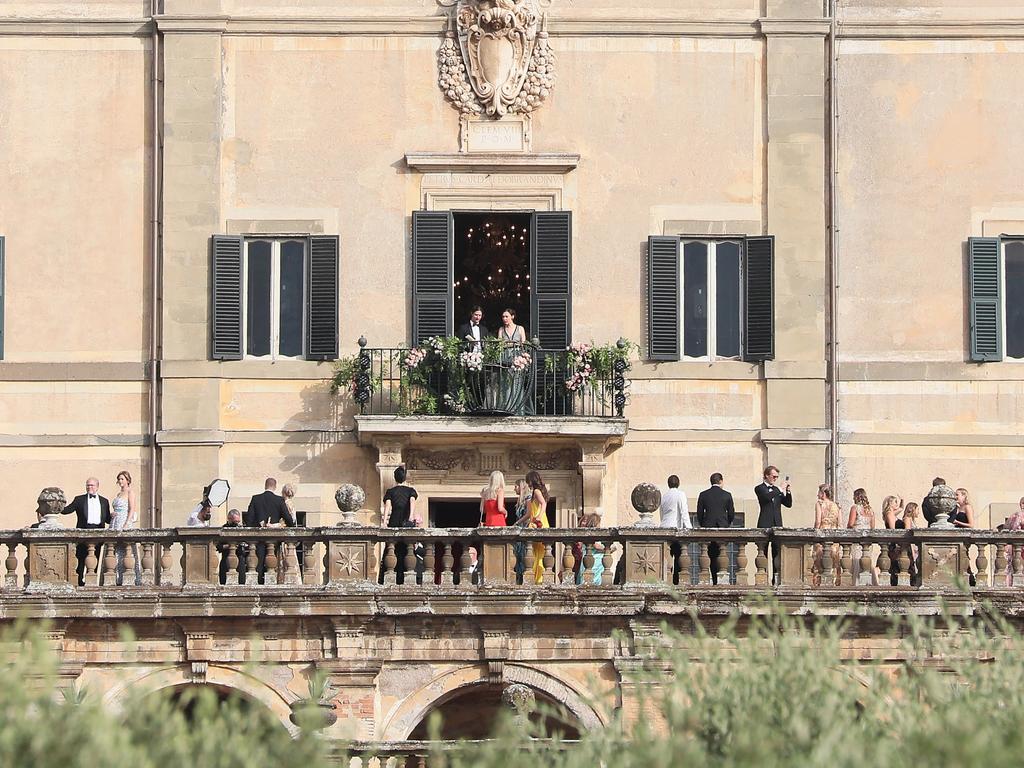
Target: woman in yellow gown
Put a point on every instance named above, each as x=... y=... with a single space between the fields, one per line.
x=538 y=507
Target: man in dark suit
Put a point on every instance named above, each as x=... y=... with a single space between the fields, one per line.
x=267 y=510
x=92 y=511
x=771 y=501
x=715 y=509
x=474 y=331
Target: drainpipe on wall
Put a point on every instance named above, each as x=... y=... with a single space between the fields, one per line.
x=833 y=260
x=156 y=236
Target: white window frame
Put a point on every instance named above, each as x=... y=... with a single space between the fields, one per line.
x=1002 y=306
x=275 y=295
x=712 y=319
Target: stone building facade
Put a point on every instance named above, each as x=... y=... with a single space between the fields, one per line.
x=871 y=140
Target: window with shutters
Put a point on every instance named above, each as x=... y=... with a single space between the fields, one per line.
x=274 y=298
x=710 y=298
x=1013 y=298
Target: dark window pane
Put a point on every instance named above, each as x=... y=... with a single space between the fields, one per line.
x=1014 y=291
x=695 y=299
x=293 y=289
x=257 y=297
x=727 y=299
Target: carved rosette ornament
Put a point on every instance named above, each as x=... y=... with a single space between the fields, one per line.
x=495 y=58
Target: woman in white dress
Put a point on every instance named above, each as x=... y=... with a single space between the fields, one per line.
x=124 y=516
x=862 y=518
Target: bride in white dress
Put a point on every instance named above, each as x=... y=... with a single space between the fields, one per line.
x=124 y=516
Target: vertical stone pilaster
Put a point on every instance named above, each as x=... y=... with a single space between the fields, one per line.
x=593 y=467
x=389 y=458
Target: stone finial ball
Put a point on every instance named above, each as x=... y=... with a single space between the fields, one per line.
x=645 y=498
x=51 y=501
x=350 y=498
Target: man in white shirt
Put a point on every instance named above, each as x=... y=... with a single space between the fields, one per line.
x=675 y=512
x=92 y=511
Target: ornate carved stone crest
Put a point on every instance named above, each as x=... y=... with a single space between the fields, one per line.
x=563 y=458
x=463 y=458
x=495 y=59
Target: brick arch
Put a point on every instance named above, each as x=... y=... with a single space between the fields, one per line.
x=415 y=707
x=249 y=687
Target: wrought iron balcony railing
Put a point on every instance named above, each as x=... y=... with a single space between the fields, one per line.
x=452 y=377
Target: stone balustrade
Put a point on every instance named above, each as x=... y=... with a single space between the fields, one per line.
x=583 y=558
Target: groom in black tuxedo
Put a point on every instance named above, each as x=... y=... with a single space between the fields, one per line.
x=474 y=331
x=772 y=500
x=715 y=509
x=92 y=511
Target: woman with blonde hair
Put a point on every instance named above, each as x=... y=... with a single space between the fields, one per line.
x=862 y=518
x=492 y=502
x=826 y=517
x=964 y=517
x=911 y=513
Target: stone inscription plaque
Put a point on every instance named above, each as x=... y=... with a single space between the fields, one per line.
x=511 y=134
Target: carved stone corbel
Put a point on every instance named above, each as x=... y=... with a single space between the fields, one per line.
x=495 y=649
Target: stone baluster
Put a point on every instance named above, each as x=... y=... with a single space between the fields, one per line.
x=568 y=563
x=761 y=566
x=11 y=568
x=148 y=562
x=252 y=562
x=999 y=577
x=292 y=575
x=129 y=564
x=549 y=562
x=448 y=565
x=721 y=564
x=109 y=564
x=166 y=560
x=884 y=566
x=984 y=577
x=811 y=574
x=742 y=577
x=231 y=553
x=828 y=576
x=588 y=565
x=465 y=561
x=846 y=564
x=965 y=560
x=409 y=564
x=429 y=556
x=270 y=564
x=607 y=572
x=903 y=566
x=390 y=563
x=310 y=558
x=703 y=563
x=864 y=577
x=1018 y=567
x=684 y=564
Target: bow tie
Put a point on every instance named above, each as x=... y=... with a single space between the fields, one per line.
x=92 y=495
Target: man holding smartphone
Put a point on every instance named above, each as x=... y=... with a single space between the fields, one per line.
x=771 y=501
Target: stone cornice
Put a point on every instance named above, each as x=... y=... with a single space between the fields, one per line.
x=958 y=29
x=438 y=162
x=372 y=428
x=794 y=27
x=76 y=27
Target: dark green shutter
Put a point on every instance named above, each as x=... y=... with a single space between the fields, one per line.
x=759 y=299
x=322 y=310
x=663 y=298
x=226 y=314
x=551 y=279
x=986 y=299
x=2 y=266
x=433 y=273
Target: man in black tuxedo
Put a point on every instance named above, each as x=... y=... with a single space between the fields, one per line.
x=267 y=510
x=474 y=331
x=715 y=509
x=771 y=501
x=92 y=511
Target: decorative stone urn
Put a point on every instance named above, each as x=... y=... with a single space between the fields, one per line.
x=939 y=504
x=645 y=499
x=349 y=499
x=312 y=715
x=51 y=503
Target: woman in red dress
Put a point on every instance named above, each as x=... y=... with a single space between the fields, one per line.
x=492 y=502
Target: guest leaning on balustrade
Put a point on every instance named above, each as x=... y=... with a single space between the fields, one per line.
x=1014 y=522
x=399 y=511
x=826 y=517
x=492 y=502
x=908 y=520
x=538 y=515
x=595 y=549
x=862 y=518
x=521 y=519
x=890 y=519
